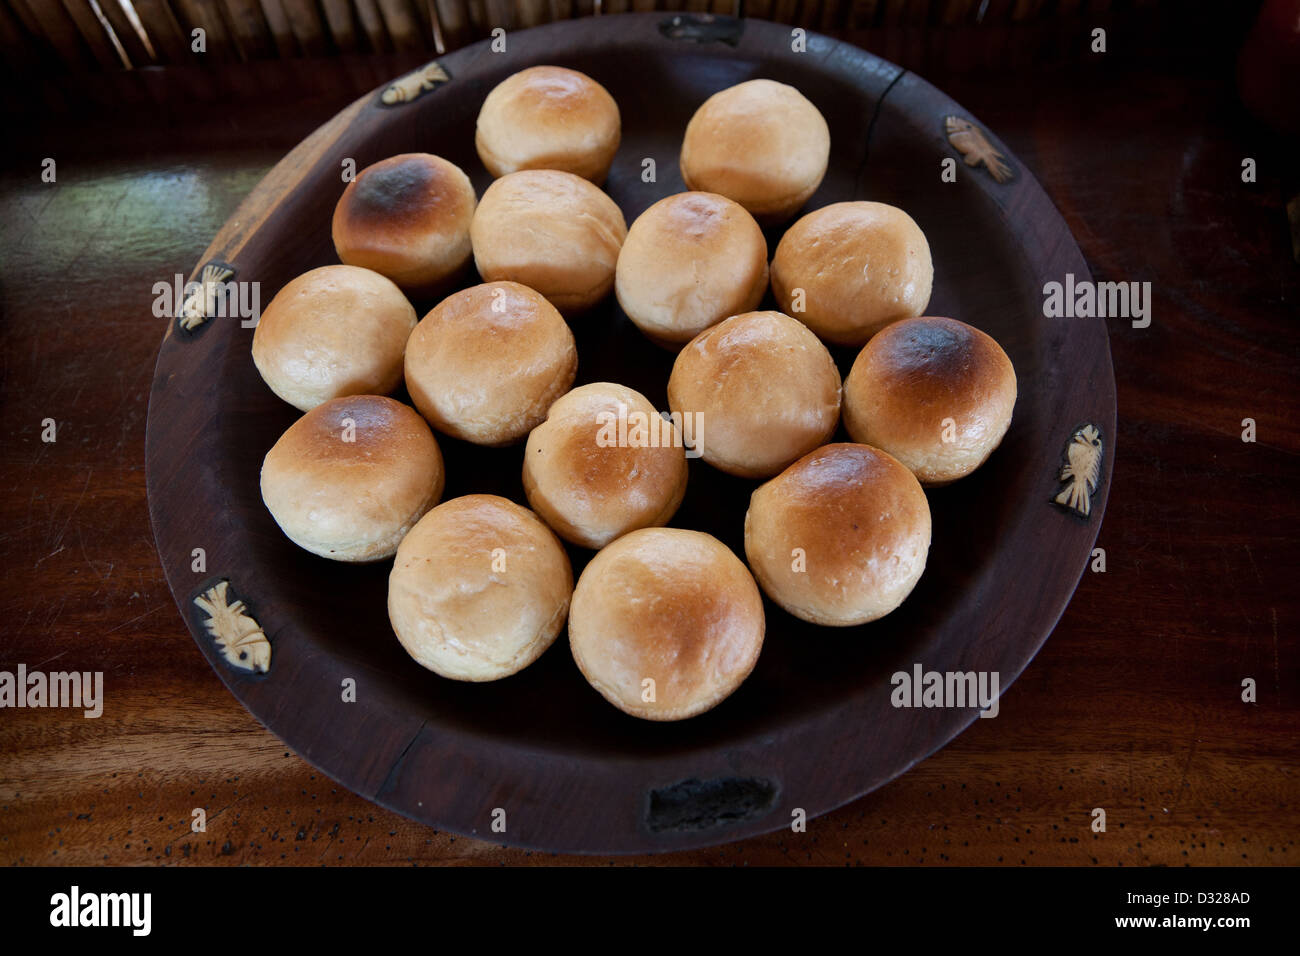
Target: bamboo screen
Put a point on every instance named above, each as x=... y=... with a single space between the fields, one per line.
x=129 y=34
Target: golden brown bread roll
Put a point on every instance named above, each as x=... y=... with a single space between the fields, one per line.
x=479 y=590
x=840 y=537
x=548 y=117
x=860 y=266
x=551 y=231
x=336 y=330
x=671 y=607
x=487 y=362
x=407 y=217
x=604 y=463
x=349 y=479
x=935 y=393
x=688 y=262
x=760 y=143
x=765 y=389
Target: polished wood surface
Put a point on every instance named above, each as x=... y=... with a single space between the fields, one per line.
x=1133 y=705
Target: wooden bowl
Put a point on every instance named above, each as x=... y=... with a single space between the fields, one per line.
x=814 y=726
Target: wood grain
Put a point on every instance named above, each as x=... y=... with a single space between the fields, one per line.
x=206 y=15
x=1133 y=705
x=96 y=37
x=127 y=35
x=339 y=19
x=170 y=41
x=56 y=25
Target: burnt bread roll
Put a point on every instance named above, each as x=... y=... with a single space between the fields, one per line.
x=333 y=331
x=666 y=623
x=688 y=262
x=760 y=143
x=602 y=464
x=551 y=231
x=352 y=476
x=407 y=217
x=486 y=363
x=935 y=393
x=849 y=269
x=764 y=389
x=479 y=589
x=840 y=537
x=548 y=117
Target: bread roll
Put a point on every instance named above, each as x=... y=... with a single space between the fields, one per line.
x=935 y=393
x=479 y=590
x=548 y=117
x=487 y=362
x=667 y=606
x=765 y=391
x=760 y=143
x=861 y=266
x=349 y=479
x=336 y=330
x=551 y=231
x=604 y=463
x=690 y=261
x=840 y=537
x=407 y=217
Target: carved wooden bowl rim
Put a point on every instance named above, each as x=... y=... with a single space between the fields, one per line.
x=596 y=802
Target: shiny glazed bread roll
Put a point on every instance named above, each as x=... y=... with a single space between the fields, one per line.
x=840 y=537
x=487 y=362
x=604 y=463
x=407 y=217
x=479 y=589
x=935 y=393
x=688 y=262
x=551 y=231
x=336 y=330
x=860 y=266
x=760 y=143
x=349 y=479
x=765 y=389
x=548 y=117
x=670 y=606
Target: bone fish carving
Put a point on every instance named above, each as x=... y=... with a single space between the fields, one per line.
x=414 y=84
x=201 y=303
x=239 y=637
x=969 y=140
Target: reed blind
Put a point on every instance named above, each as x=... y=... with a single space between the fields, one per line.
x=89 y=35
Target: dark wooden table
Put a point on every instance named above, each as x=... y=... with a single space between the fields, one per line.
x=1134 y=705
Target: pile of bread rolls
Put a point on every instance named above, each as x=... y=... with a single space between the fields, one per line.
x=664 y=622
